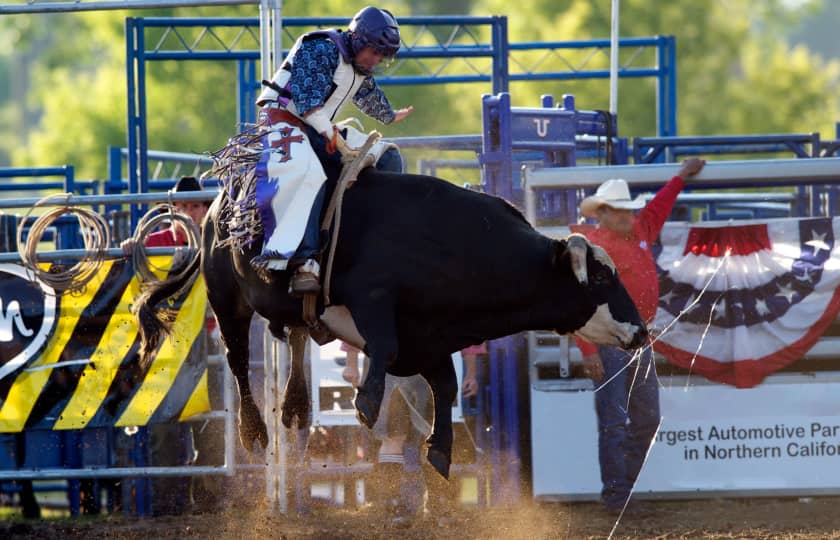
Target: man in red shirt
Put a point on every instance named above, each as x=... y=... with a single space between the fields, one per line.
x=627 y=405
x=175 y=236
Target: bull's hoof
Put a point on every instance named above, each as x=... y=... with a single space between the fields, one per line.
x=251 y=426
x=439 y=461
x=366 y=410
x=247 y=436
x=286 y=417
x=289 y=414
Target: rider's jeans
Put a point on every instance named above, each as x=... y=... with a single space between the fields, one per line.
x=310 y=244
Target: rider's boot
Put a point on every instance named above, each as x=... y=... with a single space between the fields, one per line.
x=306 y=279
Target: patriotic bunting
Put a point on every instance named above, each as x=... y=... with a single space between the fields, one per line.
x=750 y=299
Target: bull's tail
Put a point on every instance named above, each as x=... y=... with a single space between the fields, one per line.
x=155 y=321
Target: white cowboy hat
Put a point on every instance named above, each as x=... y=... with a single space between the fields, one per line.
x=614 y=193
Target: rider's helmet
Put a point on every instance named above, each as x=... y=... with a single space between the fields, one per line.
x=376 y=28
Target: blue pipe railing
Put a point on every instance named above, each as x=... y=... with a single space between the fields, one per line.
x=67 y=229
x=497 y=50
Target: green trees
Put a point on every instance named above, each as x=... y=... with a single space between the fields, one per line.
x=64 y=97
x=736 y=72
x=74 y=105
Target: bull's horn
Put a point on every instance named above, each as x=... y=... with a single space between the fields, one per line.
x=602 y=256
x=577 y=250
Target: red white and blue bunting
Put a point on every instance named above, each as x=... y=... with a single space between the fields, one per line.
x=750 y=299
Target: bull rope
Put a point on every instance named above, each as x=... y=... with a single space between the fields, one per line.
x=95 y=234
x=349 y=173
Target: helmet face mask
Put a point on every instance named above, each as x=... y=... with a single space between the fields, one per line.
x=376 y=28
x=369 y=61
x=384 y=65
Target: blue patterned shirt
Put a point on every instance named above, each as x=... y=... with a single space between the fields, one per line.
x=311 y=81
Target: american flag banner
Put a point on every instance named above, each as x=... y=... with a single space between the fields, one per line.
x=750 y=299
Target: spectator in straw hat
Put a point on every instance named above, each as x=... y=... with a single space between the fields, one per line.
x=627 y=405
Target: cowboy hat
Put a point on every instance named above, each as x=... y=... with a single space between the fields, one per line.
x=186 y=183
x=613 y=193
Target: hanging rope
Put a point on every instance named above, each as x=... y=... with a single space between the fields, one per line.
x=332 y=216
x=165 y=214
x=95 y=234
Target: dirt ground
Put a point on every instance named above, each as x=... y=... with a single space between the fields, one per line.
x=793 y=518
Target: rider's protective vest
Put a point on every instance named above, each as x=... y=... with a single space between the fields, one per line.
x=346 y=81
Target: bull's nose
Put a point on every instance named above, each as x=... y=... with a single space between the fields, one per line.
x=639 y=339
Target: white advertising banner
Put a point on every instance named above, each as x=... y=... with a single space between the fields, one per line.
x=782 y=436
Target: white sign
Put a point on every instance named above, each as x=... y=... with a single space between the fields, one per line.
x=776 y=437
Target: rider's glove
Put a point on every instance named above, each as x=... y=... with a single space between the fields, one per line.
x=337 y=143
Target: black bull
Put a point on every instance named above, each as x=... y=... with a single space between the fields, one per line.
x=425 y=269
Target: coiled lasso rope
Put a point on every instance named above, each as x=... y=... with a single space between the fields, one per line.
x=161 y=214
x=95 y=234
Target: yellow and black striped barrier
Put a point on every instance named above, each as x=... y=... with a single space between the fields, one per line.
x=70 y=361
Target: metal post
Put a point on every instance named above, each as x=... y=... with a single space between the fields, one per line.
x=63 y=7
x=614 y=33
x=495 y=357
x=500 y=78
x=114 y=182
x=131 y=64
x=142 y=132
x=276 y=7
x=137 y=133
x=230 y=426
x=512 y=418
x=69 y=179
x=266 y=70
x=276 y=370
x=282 y=444
x=72 y=457
x=269 y=380
x=489 y=143
x=480 y=434
x=569 y=199
x=504 y=188
x=666 y=87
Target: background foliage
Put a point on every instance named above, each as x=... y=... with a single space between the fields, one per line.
x=744 y=66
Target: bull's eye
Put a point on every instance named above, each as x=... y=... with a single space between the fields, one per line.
x=601 y=278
